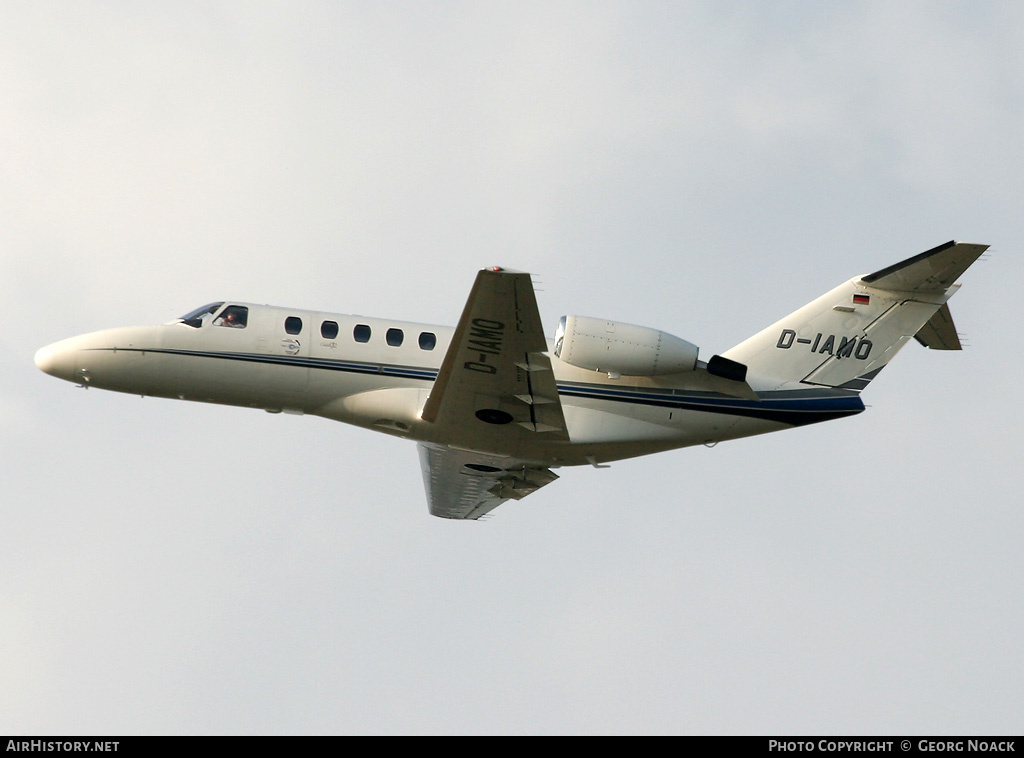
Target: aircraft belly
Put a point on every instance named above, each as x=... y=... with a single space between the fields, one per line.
x=282 y=387
x=591 y=421
x=599 y=433
x=395 y=410
x=590 y=424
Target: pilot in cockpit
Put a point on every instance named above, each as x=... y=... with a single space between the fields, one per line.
x=233 y=317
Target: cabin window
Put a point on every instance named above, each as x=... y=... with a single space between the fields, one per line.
x=199 y=316
x=427 y=341
x=394 y=337
x=361 y=333
x=234 y=316
x=293 y=325
x=329 y=330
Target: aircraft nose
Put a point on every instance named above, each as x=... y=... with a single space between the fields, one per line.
x=57 y=360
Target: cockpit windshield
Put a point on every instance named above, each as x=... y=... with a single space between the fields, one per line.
x=199 y=316
x=234 y=316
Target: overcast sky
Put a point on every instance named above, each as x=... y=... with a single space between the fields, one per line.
x=700 y=167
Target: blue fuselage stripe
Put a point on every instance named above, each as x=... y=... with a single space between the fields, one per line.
x=796 y=411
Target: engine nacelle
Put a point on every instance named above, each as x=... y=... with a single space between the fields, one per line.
x=625 y=349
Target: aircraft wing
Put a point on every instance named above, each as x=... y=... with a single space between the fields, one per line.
x=467 y=485
x=495 y=390
x=493 y=401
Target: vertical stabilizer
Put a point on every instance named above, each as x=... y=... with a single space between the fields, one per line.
x=846 y=336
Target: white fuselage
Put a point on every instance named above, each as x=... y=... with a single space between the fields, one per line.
x=307 y=362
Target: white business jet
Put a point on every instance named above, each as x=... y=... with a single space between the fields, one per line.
x=495 y=406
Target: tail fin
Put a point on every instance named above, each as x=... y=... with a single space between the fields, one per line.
x=846 y=336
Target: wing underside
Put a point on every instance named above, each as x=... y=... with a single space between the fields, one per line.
x=466 y=485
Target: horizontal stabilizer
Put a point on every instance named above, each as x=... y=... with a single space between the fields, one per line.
x=934 y=270
x=939 y=333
